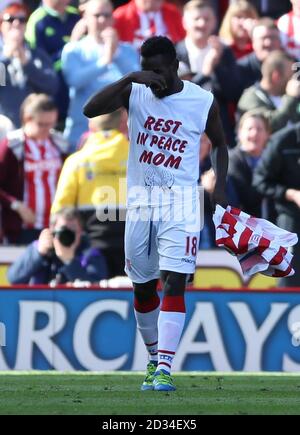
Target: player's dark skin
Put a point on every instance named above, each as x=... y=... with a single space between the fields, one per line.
x=162 y=78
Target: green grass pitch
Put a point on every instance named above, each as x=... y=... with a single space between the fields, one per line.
x=118 y=394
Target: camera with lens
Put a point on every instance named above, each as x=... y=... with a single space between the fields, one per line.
x=65 y=235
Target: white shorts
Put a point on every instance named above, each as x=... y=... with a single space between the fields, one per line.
x=155 y=241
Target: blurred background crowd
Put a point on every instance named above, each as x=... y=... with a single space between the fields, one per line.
x=56 y=165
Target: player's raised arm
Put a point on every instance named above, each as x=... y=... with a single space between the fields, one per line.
x=116 y=95
x=219 y=154
x=109 y=99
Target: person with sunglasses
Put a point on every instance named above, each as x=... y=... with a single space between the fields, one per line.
x=25 y=70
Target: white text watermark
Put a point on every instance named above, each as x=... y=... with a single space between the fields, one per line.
x=176 y=204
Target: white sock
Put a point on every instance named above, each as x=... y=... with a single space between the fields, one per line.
x=147 y=325
x=170 y=327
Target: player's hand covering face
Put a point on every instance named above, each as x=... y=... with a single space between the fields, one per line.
x=162 y=74
x=151 y=79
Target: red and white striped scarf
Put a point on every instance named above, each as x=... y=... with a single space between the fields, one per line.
x=259 y=245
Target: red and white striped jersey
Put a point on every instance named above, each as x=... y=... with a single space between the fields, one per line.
x=259 y=245
x=289 y=26
x=42 y=166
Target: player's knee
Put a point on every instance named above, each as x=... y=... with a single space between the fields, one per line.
x=145 y=291
x=174 y=283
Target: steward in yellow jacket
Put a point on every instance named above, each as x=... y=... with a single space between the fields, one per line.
x=94 y=180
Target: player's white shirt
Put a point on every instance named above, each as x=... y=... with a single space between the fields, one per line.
x=164 y=143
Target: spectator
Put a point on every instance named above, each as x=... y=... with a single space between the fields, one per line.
x=265 y=39
x=235 y=32
x=61 y=255
x=90 y=181
x=5 y=126
x=277 y=94
x=49 y=28
x=198 y=47
x=253 y=135
x=236 y=27
x=80 y=29
x=30 y=163
x=289 y=26
x=98 y=124
x=211 y=61
x=92 y=63
x=277 y=176
x=271 y=8
x=184 y=72
x=27 y=70
x=4 y=4
x=140 y=19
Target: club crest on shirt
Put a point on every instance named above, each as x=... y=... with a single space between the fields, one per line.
x=161 y=179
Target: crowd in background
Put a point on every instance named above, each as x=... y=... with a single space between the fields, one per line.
x=55 y=54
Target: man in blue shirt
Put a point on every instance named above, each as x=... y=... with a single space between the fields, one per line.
x=94 y=62
x=49 y=28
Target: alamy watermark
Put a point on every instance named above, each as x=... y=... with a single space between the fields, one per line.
x=2 y=74
x=177 y=204
x=2 y=335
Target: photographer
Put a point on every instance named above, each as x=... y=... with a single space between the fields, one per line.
x=60 y=255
